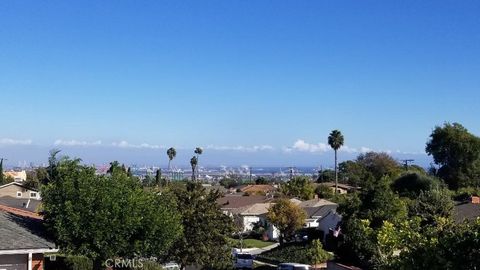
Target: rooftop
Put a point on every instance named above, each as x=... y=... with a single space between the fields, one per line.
x=21 y=232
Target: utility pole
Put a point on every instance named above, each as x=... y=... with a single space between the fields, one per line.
x=406 y=161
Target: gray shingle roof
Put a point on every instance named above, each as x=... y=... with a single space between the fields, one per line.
x=19 y=232
x=466 y=211
x=20 y=203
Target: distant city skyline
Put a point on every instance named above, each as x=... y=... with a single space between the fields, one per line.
x=259 y=83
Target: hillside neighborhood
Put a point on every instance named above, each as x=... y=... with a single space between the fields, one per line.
x=308 y=220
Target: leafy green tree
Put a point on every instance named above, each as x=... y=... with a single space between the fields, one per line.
x=106 y=216
x=261 y=181
x=206 y=228
x=326 y=176
x=380 y=165
x=287 y=217
x=457 y=152
x=444 y=246
x=411 y=184
x=336 y=140
x=113 y=166
x=352 y=172
x=316 y=254
x=300 y=187
x=324 y=192
x=432 y=204
x=159 y=181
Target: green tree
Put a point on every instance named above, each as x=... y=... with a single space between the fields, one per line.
x=324 y=192
x=457 y=152
x=158 y=178
x=300 y=187
x=261 y=181
x=287 y=217
x=411 y=184
x=432 y=204
x=206 y=228
x=106 y=216
x=326 y=176
x=352 y=172
x=113 y=166
x=335 y=140
x=379 y=165
x=316 y=254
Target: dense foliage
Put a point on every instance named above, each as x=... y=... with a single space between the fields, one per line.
x=287 y=217
x=205 y=241
x=300 y=187
x=105 y=216
x=457 y=152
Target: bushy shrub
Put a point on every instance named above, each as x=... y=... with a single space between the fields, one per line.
x=68 y=262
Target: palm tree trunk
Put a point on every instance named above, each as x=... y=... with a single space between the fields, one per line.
x=169 y=171
x=336 y=174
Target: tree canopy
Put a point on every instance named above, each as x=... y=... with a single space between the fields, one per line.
x=300 y=187
x=105 y=216
x=457 y=152
x=287 y=217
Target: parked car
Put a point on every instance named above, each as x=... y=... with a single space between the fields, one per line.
x=293 y=266
x=243 y=261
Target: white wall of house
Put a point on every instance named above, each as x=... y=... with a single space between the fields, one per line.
x=249 y=221
x=311 y=223
x=330 y=221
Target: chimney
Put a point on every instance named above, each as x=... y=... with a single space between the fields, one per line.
x=475 y=199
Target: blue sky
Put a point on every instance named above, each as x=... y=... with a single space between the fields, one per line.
x=254 y=82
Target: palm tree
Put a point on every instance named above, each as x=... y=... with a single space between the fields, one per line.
x=198 y=151
x=193 y=163
x=335 y=140
x=171 y=153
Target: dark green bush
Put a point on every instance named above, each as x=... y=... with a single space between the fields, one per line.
x=62 y=262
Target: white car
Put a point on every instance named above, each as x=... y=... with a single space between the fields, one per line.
x=243 y=261
x=293 y=266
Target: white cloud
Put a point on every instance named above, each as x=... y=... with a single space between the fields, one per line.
x=8 y=141
x=60 y=142
x=302 y=146
x=240 y=148
x=125 y=144
x=364 y=149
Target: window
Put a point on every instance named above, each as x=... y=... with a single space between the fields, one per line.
x=33 y=194
x=19 y=194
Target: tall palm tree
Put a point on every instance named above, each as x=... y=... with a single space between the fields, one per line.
x=198 y=151
x=335 y=140
x=193 y=163
x=171 y=153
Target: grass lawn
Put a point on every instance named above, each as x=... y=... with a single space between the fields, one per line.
x=252 y=243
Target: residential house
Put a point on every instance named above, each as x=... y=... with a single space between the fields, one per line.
x=19 y=191
x=232 y=202
x=18 y=176
x=258 y=189
x=342 y=188
x=23 y=242
x=321 y=214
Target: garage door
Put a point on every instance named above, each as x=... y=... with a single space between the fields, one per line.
x=13 y=262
